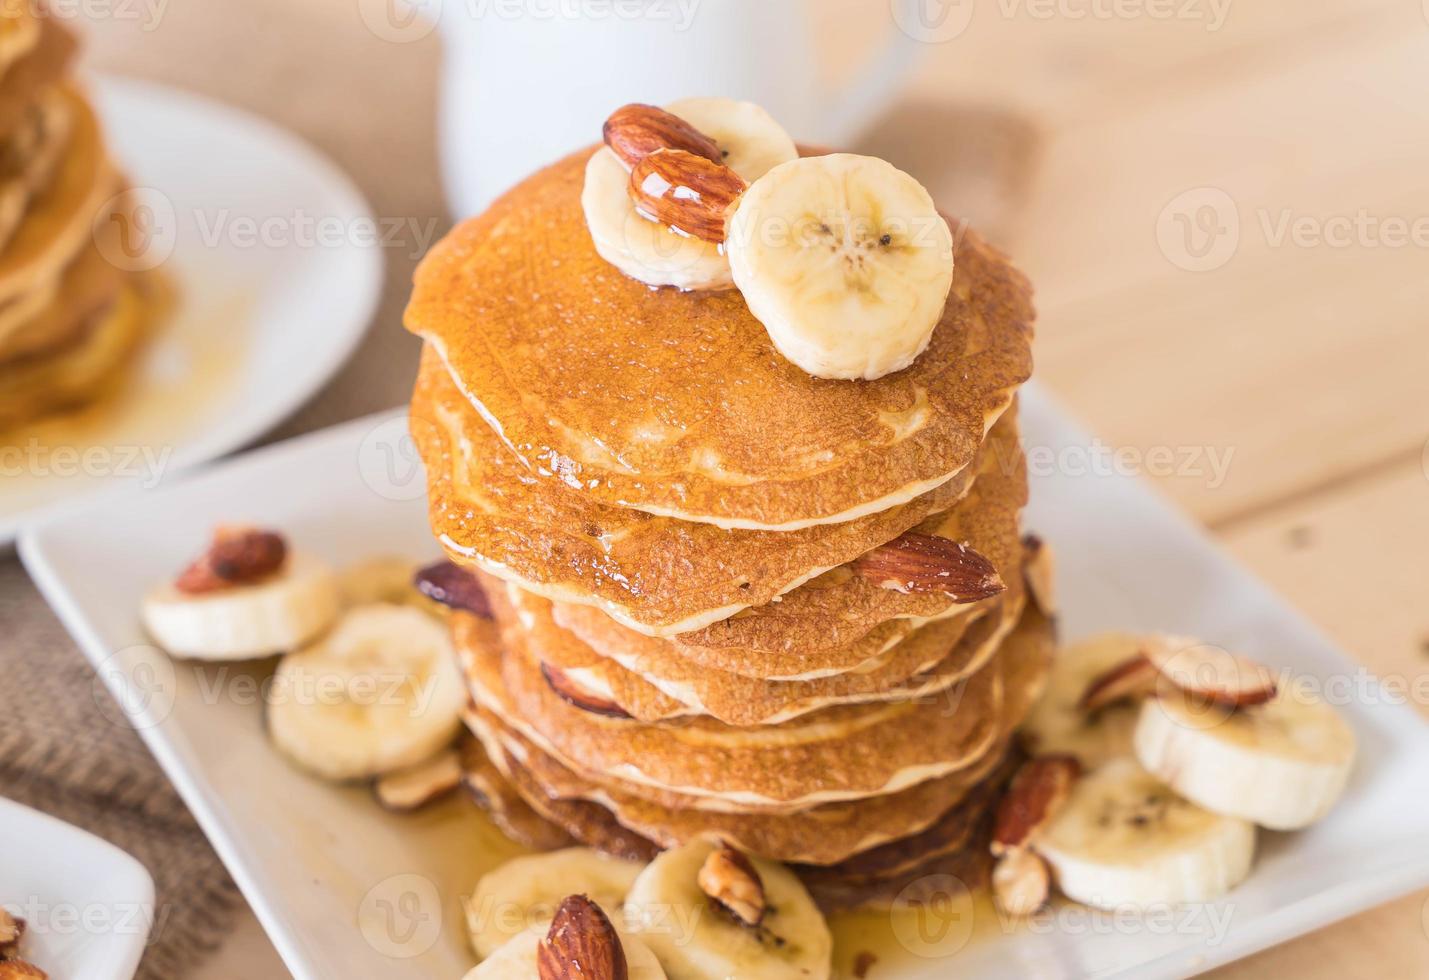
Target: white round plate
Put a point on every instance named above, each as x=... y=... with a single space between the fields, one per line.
x=275 y=263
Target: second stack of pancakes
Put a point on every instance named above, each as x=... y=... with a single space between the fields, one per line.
x=721 y=592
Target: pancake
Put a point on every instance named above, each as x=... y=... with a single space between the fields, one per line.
x=19 y=32
x=655 y=575
x=931 y=660
x=37 y=70
x=88 y=285
x=29 y=159
x=929 y=883
x=79 y=372
x=676 y=403
x=495 y=794
x=60 y=219
x=838 y=753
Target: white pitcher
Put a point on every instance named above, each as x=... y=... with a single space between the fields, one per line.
x=527 y=81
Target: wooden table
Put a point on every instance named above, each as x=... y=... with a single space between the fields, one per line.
x=1212 y=213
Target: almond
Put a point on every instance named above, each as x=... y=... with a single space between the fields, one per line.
x=236 y=556
x=11 y=929
x=1211 y=674
x=635 y=131
x=1021 y=882
x=1032 y=799
x=728 y=877
x=686 y=192
x=453 y=586
x=581 y=945
x=1131 y=680
x=1039 y=570
x=573 y=693
x=917 y=562
x=415 y=786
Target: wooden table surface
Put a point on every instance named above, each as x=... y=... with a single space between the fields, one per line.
x=1226 y=219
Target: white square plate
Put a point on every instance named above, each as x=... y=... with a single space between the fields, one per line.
x=87 y=905
x=345 y=889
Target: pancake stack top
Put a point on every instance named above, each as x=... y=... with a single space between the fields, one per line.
x=69 y=315
x=729 y=600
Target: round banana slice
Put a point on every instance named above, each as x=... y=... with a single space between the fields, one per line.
x=385 y=578
x=1282 y=764
x=637 y=246
x=1058 y=723
x=244 y=622
x=751 y=142
x=846 y=262
x=1126 y=839
x=696 y=938
x=525 y=891
x=516 y=958
x=380 y=692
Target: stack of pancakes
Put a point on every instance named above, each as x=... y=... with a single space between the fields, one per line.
x=69 y=316
x=672 y=524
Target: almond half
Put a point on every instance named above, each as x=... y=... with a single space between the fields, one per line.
x=916 y=562
x=1033 y=798
x=686 y=192
x=581 y=945
x=637 y=130
x=1130 y=680
x=1021 y=882
x=574 y=694
x=451 y=585
x=236 y=556
x=1211 y=674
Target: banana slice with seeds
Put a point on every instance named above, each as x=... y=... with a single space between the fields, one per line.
x=750 y=142
x=846 y=262
x=697 y=934
x=1282 y=764
x=380 y=692
x=1059 y=721
x=1126 y=839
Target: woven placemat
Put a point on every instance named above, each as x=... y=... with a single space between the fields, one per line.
x=307 y=65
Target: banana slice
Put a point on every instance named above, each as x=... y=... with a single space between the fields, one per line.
x=243 y=622
x=750 y=141
x=385 y=578
x=380 y=692
x=525 y=891
x=846 y=262
x=1282 y=764
x=695 y=937
x=1125 y=839
x=516 y=959
x=1058 y=723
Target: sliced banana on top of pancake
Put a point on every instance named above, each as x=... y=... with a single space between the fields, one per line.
x=579 y=942
x=526 y=891
x=247 y=596
x=1282 y=764
x=1126 y=839
x=738 y=135
x=706 y=911
x=380 y=692
x=846 y=262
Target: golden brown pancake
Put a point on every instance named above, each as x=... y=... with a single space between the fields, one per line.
x=485 y=783
x=656 y=575
x=19 y=32
x=676 y=403
x=60 y=220
x=29 y=158
x=88 y=285
x=39 y=69
x=931 y=660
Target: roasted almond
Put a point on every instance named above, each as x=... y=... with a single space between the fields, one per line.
x=686 y=192
x=917 y=562
x=236 y=556
x=729 y=878
x=1131 y=680
x=573 y=693
x=1211 y=674
x=1021 y=882
x=1033 y=798
x=581 y=945
x=635 y=131
x=454 y=586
